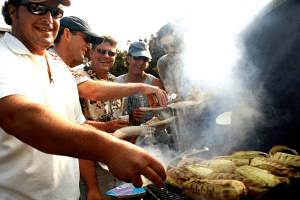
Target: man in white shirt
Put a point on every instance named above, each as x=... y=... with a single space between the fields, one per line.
x=40 y=116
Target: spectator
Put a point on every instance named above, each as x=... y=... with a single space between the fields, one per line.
x=137 y=60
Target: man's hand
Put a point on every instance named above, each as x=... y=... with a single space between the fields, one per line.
x=114 y=125
x=137 y=115
x=130 y=162
x=161 y=95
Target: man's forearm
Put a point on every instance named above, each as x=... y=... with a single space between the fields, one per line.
x=50 y=132
x=101 y=90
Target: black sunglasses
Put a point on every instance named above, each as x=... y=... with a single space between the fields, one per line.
x=39 y=9
x=86 y=39
x=166 y=47
x=145 y=59
x=103 y=51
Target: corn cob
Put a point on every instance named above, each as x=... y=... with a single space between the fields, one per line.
x=199 y=172
x=261 y=175
x=214 y=189
x=177 y=176
x=248 y=154
x=255 y=188
x=224 y=166
x=237 y=161
x=285 y=158
x=275 y=167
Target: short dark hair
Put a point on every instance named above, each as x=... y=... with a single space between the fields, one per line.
x=58 y=37
x=165 y=30
x=5 y=12
x=107 y=38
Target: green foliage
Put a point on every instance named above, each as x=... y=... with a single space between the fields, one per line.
x=119 y=67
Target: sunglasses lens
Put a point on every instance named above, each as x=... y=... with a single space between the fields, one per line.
x=136 y=57
x=37 y=9
x=57 y=13
x=165 y=47
x=111 y=54
x=145 y=59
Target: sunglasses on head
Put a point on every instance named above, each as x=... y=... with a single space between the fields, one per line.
x=145 y=59
x=166 y=47
x=103 y=51
x=39 y=9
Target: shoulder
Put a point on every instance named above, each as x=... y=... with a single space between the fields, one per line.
x=120 y=78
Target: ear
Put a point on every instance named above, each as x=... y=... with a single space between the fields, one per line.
x=67 y=34
x=12 y=10
x=128 y=59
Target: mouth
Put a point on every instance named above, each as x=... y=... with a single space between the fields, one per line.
x=44 y=29
x=140 y=67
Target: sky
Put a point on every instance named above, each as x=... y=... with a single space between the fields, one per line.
x=135 y=19
x=125 y=20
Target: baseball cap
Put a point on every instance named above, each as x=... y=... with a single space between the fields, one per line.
x=76 y=24
x=139 y=49
x=62 y=2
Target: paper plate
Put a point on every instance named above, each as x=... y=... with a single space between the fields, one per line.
x=182 y=104
x=134 y=130
x=162 y=122
x=151 y=109
x=224 y=119
x=126 y=190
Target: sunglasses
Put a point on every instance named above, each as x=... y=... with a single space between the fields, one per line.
x=145 y=59
x=166 y=47
x=39 y=9
x=103 y=51
x=86 y=39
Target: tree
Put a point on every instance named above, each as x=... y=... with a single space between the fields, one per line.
x=119 y=67
x=156 y=52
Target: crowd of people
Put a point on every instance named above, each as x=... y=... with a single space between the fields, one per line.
x=58 y=123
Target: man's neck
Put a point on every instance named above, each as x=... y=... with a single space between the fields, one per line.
x=62 y=52
x=136 y=78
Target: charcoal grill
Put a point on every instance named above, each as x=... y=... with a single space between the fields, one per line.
x=279 y=192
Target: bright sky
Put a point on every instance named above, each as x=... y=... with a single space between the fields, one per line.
x=135 y=19
x=124 y=20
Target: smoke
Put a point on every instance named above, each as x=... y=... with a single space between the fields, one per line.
x=213 y=52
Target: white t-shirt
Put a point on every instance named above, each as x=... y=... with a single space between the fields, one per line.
x=25 y=172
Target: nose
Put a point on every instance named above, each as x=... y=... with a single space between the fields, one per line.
x=48 y=17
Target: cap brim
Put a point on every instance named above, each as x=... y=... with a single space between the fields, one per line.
x=95 y=39
x=141 y=53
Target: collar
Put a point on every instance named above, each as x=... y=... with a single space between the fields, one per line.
x=15 y=45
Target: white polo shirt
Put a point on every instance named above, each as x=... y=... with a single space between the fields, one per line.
x=25 y=172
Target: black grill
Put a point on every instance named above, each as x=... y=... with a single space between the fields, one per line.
x=167 y=192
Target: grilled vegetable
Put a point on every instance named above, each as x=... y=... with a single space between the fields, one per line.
x=199 y=172
x=248 y=154
x=177 y=176
x=237 y=161
x=275 y=167
x=224 y=166
x=255 y=188
x=285 y=158
x=214 y=189
x=261 y=175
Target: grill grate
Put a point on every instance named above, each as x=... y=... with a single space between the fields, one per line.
x=167 y=192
